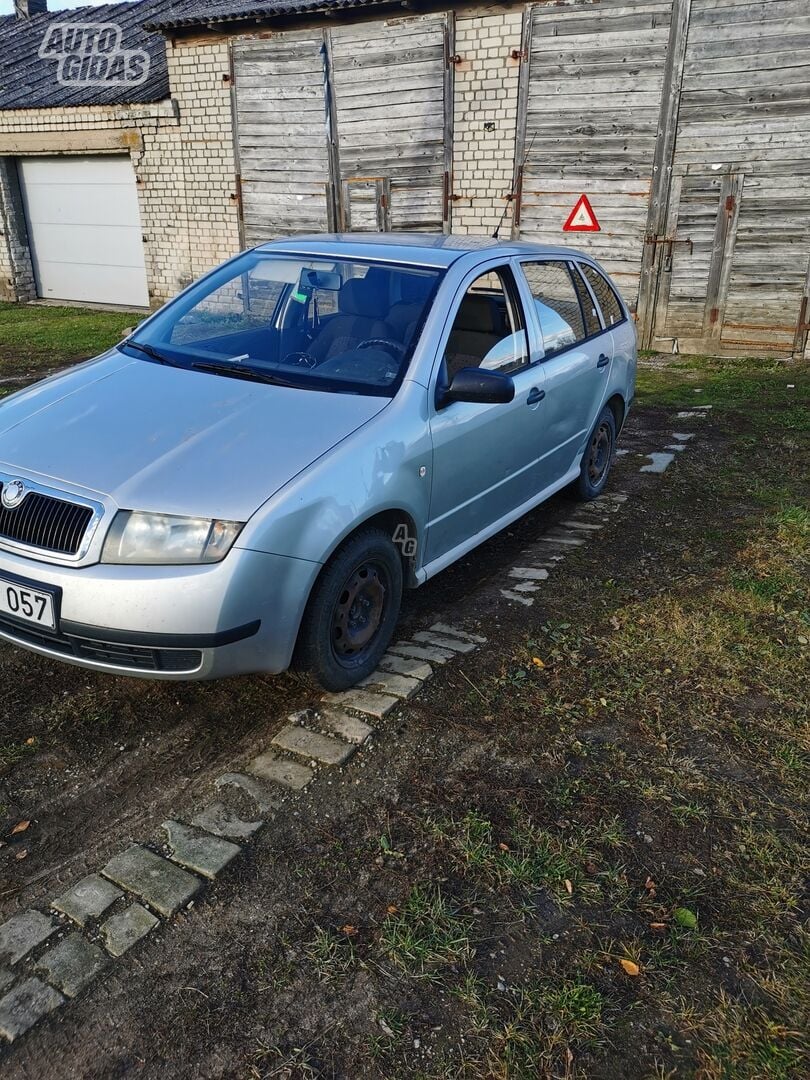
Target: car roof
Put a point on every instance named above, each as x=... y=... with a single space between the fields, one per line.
x=413 y=249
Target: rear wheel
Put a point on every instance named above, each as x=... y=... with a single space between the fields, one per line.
x=352 y=612
x=598 y=457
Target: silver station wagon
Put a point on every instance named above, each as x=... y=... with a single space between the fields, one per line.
x=251 y=479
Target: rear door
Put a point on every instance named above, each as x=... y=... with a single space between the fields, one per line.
x=578 y=352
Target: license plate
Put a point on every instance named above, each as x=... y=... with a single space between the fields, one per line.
x=28 y=604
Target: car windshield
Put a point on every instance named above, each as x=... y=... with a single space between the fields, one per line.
x=320 y=324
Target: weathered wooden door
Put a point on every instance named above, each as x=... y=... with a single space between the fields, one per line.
x=345 y=128
x=281 y=132
x=727 y=263
x=393 y=102
x=590 y=97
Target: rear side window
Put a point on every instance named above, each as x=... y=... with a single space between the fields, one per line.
x=556 y=304
x=608 y=301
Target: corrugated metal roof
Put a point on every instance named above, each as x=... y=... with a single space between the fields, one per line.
x=205 y=12
x=27 y=81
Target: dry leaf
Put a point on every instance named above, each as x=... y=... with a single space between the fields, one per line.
x=21 y=826
x=630 y=968
x=614 y=622
x=503 y=847
x=351 y=930
x=569 y=888
x=392 y=909
x=31 y=741
x=537 y=661
x=21 y=854
x=649 y=883
x=658 y=926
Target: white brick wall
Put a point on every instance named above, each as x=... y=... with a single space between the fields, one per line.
x=485 y=98
x=185 y=171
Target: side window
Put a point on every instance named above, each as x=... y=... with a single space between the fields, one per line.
x=592 y=323
x=556 y=304
x=611 y=308
x=488 y=330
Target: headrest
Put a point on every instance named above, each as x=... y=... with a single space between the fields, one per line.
x=414 y=287
x=479 y=313
x=360 y=297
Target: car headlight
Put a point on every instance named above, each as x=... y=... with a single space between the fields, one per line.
x=138 y=537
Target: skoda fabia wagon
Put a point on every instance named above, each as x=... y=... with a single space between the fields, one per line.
x=251 y=479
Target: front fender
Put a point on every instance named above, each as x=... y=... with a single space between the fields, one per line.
x=376 y=469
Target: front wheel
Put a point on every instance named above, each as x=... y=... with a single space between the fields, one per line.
x=352 y=612
x=598 y=457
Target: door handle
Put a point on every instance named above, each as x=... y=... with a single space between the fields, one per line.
x=535 y=395
x=603 y=360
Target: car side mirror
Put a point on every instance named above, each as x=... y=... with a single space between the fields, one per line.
x=479 y=385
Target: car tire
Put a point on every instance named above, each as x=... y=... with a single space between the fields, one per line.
x=598 y=458
x=351 y=613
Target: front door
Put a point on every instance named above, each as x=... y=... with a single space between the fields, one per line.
x=485 y=456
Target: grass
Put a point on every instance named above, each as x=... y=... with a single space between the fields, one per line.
x=37 y=338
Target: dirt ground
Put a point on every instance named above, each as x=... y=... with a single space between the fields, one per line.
x=578 y=852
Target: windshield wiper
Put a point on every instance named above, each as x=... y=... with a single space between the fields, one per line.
x=237 y=371
x=153 y=353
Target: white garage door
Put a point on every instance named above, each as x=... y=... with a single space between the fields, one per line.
x=84 y=229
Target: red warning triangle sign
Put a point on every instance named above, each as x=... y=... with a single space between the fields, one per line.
x=582 y=218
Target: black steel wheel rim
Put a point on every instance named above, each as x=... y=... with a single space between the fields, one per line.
x=600 y=451
x=359 y=612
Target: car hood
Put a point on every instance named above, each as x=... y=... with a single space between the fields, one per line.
x=172 y=440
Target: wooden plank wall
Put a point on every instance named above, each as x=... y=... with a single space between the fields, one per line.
x=744 y=113
x=389 y=81
x=280 y=132
x=592 y=96
x=343 y=128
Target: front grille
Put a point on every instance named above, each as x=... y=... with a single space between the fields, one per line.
x=44 y=522
x=134 y=657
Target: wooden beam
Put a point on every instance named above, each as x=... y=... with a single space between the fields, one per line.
x=67 y=142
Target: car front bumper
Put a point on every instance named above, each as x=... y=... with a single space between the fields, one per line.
x=234 y=617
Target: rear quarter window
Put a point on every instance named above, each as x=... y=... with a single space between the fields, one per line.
x=603 y=291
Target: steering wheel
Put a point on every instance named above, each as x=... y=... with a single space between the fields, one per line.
x=394 y=347
x=302 y=359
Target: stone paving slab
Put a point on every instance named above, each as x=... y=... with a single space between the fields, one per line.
x=6 y=978
x=453 y=644
x=163 y=886
x=217 y=819
x=206 y=855
x=583 y=526
x=23 y=1006
x=399 y=685
x=72 y=964
x=269 y=766
x=265 y=798
x=658 y=463
x=87 y=899
x=311 y=744
x=349 y=727
x=22 y=933
x=527 y=586
x=562 y=538
x=510 y=594
x=528 y=573
x=422 y=652
x=406 y=665
x=454 y=632
x=364 y=701
x=120 y=932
